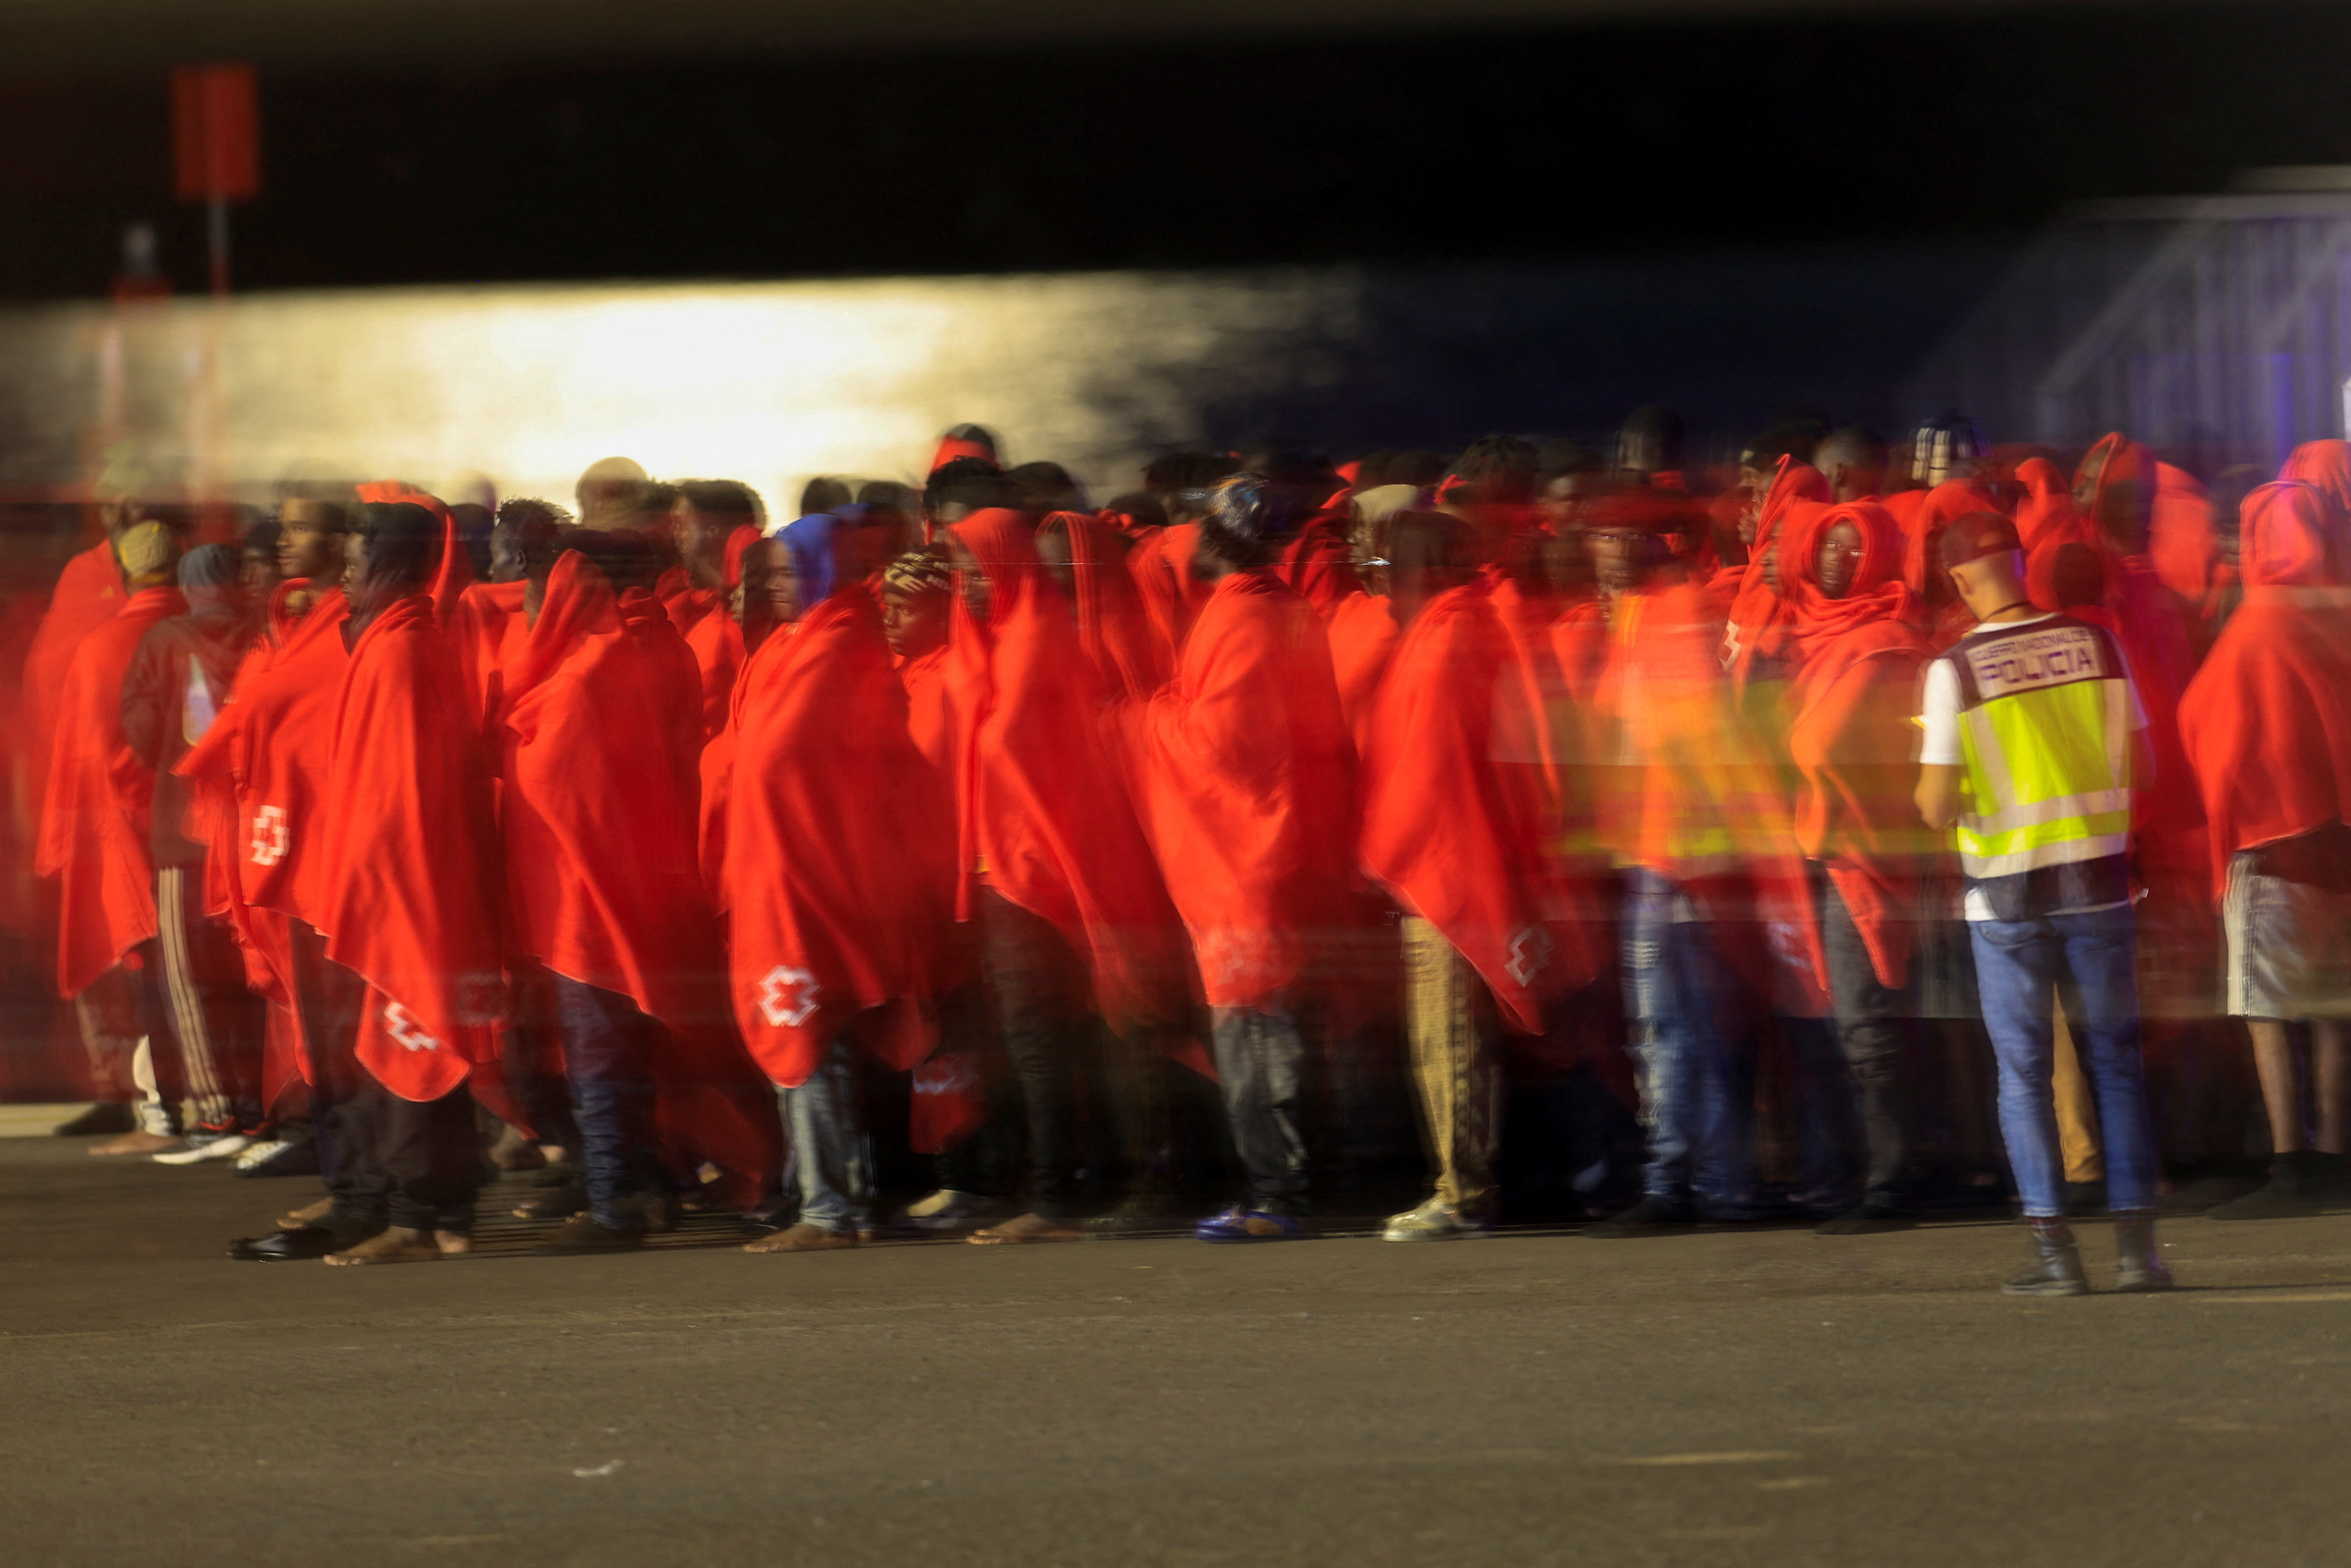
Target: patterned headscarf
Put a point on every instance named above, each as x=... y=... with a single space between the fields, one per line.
x=918 y=571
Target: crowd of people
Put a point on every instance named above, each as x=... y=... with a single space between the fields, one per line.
x=1824 y=814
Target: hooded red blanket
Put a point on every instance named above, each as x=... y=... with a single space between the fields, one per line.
x=600 y=759
x=1040 y=812
x=94 y=817
x=89 y=591
x=1250 y=789
x=258 y=779
x=1456 y=819
x=1363 y=637
x=410 y=895
x=839 y=870
x=1849 y=736
x=2267 y=720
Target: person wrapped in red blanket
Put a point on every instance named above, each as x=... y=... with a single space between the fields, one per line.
x=1853 y=687
x=1072 y=918
x=837 y=874
x=407 y=962
x=2267 y=727
x=1248 y=790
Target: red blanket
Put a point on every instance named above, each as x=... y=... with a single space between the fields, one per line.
x=1757 y=624
x=930 y=719
x=599 y=813
x=259 y=778
x=410 y=898
x=1849 y=736
x=1039 y=810
x=1172 y=597
x=1319 y=564
x=1363 y=637
x=839 y=859
x=2266 y=723
x=89 y=591
x=94 y=817
x=1250 y=789
x=1456 y=819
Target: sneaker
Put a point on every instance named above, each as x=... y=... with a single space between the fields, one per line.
x=206 y=1143
x=948 y=1209
x=284 y=1154
x=1239 y=1224
x=1648 y=1218
x=103 y=1120
x=1435 y=1220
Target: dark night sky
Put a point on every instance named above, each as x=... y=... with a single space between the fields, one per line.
x=1170 y=151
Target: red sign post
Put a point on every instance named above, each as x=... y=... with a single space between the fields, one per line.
x=216 y=147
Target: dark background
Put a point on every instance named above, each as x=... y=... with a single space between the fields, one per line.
x=1172 y=151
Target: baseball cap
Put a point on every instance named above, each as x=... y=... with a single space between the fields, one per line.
x=1976 y=536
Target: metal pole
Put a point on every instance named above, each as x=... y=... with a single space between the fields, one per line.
x=216 y=231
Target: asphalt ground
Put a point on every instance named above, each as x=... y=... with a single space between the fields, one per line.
x=1722 y=1399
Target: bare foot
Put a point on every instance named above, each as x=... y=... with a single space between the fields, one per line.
x=1027 y=1229
x=402 y=1244
x=308 y=1213
x=133 y=1143
x=803 y=1237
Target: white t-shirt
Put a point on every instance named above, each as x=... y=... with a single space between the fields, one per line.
x=1939 y=716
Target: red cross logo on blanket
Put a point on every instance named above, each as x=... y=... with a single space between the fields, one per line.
x=778 y=1004
x=269 y=835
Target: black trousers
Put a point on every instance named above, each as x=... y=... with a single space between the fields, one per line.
x=396 y=1162
x=1869 y=1031
x=1046 y=1022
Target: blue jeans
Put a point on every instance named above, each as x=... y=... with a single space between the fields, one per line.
x=1259 y=1055
x=829 y=1160
x=2087 y=958
x=608 y=1051
x=1695 y=1093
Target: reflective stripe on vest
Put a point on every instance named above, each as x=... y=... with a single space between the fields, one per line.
x=2047 y=751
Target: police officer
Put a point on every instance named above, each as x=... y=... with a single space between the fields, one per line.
x=2035 y=739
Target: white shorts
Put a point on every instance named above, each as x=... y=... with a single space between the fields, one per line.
x=2289 y=947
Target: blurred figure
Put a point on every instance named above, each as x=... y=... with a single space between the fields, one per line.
x=257 y=562
x=838 y=872
x=1852 y=686
x=610 y=492
x=1162 y=563
x=1854 y=462
x=176 y=685
x=971 y=441
x=2267 y=726
x=1073 y=919
x=1455 y=828
x=1947 y=447
x=2028 y=722
x=961 y=486
x=403 y=973
x=897 y=511
x=822 y=494
x=598 y=722
x=1248 y=787
x=96 y=830
x=1650 y=447
x=1047 y=487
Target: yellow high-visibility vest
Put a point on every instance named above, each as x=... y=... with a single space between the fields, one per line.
x=2044 y=729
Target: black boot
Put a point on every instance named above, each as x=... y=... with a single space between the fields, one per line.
x=2053 y=1265
x=2138 y=1260
x=2287 y=1193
